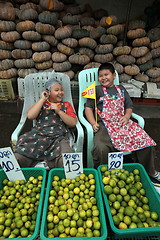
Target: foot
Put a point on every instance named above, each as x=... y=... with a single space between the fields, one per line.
x=157 y=176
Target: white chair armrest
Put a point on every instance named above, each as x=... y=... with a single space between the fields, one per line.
x=80 y=138
x=139 y=119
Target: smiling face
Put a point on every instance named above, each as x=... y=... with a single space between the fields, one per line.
x=106 y=78
x=56 y=93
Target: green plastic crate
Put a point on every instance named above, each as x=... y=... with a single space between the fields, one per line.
x=29 y=172
x=154 y=203
x=60 y=172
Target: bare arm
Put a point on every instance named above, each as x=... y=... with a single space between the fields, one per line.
x=34 y=111
x=124 y=120
x=68 y=120
x=91 y=119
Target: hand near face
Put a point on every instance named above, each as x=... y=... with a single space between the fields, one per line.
x=45 y=95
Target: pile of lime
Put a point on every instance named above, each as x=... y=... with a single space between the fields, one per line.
x=18 y=207
x=127 y=199
x=72 y=208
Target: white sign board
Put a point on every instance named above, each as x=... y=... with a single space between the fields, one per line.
x=73 y=164
x=115 y=160
x=10 y=165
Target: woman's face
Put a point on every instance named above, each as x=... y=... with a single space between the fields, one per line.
x=106 y=78
x=56 y=93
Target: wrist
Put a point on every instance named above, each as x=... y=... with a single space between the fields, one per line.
x=58 y=111
x=42 y=100
x=127 y=117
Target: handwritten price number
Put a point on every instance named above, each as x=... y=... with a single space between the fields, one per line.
x=8 y=165
x=72 y=163
x=115 y=164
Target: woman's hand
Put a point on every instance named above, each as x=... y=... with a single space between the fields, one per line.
x=45 y=95
x=124 y=120
x=54 y=106
x=95 y=127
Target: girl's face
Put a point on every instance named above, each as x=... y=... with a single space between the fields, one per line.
x=56 y=93
x=106 y=78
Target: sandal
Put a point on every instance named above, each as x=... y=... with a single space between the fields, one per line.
x=157 y=176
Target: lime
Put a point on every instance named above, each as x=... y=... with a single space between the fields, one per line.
x=66 y=222
x=132 y=191
x=140 y=225
x=139 y=210
x=82 y=214
x=123 y=191
x=76 y=190
x=131 y=203
x=112 y=182
x=127 y=220
x=103 y=168
x=24 y=233
x=121 y=184
x=116 y=205
x=127 y=198
x=142 y=217
x=8 y=222
x=96 y=233
x=73 y=231
x=147 y=214
x=142 y=191
x=133 y=225
x=95 y=213
x=89 y=223
x=113 y=211
x=128 y=211
x=116 y=190
x=116 y=220
x=60 y=228
x=136 y=172
x=145 y=207
x=80 y=222
x=138 y=185
x=97 y=225
x=154 y=216
x=6 y=232
x=108 y=189
x=106 y=173
x=122 y=225
x=105 y=180
x=134 y=218
x=112 y=197
x=123 y=176
x=124 y=203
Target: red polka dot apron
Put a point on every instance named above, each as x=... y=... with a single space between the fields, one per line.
x=129 y=137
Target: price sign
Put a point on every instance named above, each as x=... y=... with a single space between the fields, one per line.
x=10 y=165
x=73 y=165
x=115 y=160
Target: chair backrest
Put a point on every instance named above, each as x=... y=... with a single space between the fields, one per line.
x=34 y=84
x=86 y=78
x=30 y=89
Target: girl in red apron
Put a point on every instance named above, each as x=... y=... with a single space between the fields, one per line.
x=115 y=131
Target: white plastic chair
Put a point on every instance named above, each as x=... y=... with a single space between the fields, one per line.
x=86 y=78
x=30 y=88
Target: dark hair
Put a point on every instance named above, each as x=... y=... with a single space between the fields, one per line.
x=107 y=66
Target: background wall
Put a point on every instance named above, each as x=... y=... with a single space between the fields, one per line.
x=119 y=7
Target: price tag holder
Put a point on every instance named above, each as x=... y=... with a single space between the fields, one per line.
x=115 y=160
x=73 y=164
x=10 y=165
